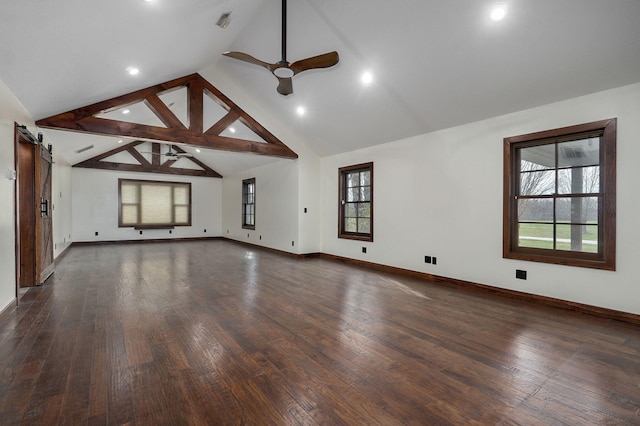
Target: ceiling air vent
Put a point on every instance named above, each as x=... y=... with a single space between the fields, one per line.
x=86 y=148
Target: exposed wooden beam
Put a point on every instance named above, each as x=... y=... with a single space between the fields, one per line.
x=145 y=166
x=85 y=120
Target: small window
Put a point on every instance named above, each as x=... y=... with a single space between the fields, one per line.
x=356 y=202
x=559 y=196
x=249 y=203
x=153 y=204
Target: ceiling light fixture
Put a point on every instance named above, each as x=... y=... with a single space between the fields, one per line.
x=126 y=111
x=232 y=130
x=498 y=12
x=224 y=20
x=119 y=140
x=301 y=111
x=197 y=149
x=133 y=70
x=366 y=78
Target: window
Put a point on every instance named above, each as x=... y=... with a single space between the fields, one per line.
x=249 y=203
x=559 y=196
x=356 y=202
x=152 y=204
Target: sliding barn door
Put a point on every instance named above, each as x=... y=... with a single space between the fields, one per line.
x=34 y=230
x=44 y=219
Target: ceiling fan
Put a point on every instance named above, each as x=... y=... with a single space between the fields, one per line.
x=171 y=154
x=283 y=70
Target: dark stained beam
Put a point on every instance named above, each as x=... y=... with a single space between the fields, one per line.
x=84 y=120
x=162 y=111
x=145 y=166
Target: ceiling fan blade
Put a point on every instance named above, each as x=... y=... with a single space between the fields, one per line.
x=250 y=59
x=321 y=61
x=285 y=85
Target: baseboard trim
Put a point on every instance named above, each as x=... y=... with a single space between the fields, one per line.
x=151 y=240
x=483 y=288
x=8 y=310
x=273 y=250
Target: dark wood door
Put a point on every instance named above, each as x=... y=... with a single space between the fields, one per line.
x=25 y=218
x=34 y=236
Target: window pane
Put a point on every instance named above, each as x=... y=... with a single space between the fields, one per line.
x=182 y=214
x=364 y=226
x=365 y=193
x=537 y=183
x=577 y=209
x=364 y=210
x=180 y=194
x=129 y=193
x=353 y=179
x=156 y=204
x=539 y=157
x=353 y=194
x=583 y=152
x=583 y=238
x=350 y=210
x=129 y=215
x=579 y=180
x=536 y=235
x=365 y=178
x=535 y=209
x=350 y=224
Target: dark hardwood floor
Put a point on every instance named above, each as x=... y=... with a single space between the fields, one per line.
x=216 y=333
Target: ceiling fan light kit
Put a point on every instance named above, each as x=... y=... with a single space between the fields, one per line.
x=283 y=70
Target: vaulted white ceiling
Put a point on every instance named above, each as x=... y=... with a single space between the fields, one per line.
x=434 y=64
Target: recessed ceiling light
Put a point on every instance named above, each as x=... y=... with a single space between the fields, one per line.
x=197 y=149
x=498 y=12
x=119 y=140
x=232 y=130
x=146 y=1
x=133 y=70
x=126 y=111
x=300 y=111
x=366 y=78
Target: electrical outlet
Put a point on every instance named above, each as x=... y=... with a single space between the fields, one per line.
x=140 y=232
x=205 y=231
x=364 y=249
x=96 y=233
x=170 y=231
x=433 y=260
x=427 y=259
x=305 y=209
x=520 y=274
x=260 y=237
x=292 y=244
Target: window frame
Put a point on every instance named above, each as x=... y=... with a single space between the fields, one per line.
x=245 y=203
x=173 y=205
x=342 y=190
x=605 y=258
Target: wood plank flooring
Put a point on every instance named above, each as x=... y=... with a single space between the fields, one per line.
x=216 y=333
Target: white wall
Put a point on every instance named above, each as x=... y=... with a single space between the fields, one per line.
x=283 y=189
x=61 y=196
x=440 y=194
x=95 y=207
x=276 y=206
x=11 y=111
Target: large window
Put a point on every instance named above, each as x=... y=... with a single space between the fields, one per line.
x=249 y=203
x=356 y=202
x=560 y=194
x=152 y=204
